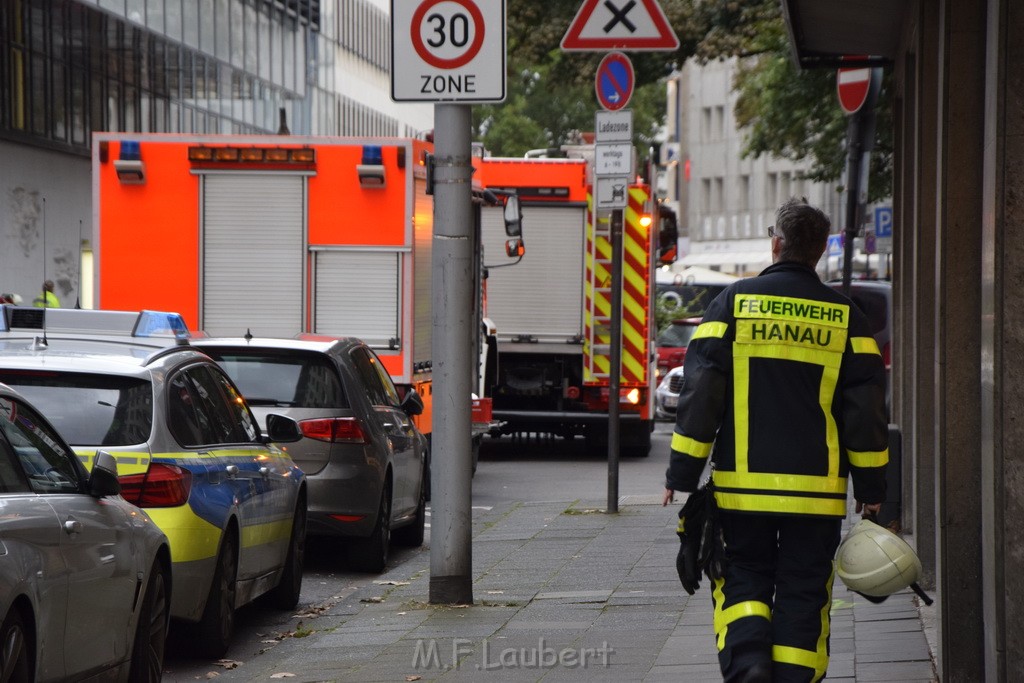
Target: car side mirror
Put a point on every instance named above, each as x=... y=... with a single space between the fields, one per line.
x=281 y=429
x=103 y=479
x=412 y=404
x=513 y=217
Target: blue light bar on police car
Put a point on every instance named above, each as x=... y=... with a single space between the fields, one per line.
x=143 y=324
x=160 y=324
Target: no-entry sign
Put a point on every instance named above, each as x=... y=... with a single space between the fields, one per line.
x=853 y=85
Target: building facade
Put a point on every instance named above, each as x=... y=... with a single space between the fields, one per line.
x=71 y=67
x=725 y=202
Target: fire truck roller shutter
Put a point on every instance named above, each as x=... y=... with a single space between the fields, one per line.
x=357 y=295
x=253 y=231
x=543 y=294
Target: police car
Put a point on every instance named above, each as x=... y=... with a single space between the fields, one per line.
x=188 y=449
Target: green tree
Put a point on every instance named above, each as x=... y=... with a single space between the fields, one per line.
x=784 y=111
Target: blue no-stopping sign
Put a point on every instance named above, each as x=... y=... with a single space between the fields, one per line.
x=614 y=81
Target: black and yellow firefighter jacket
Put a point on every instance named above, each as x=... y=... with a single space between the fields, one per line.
x=785 y=384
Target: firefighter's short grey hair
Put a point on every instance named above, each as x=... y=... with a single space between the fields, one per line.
x=804 y=230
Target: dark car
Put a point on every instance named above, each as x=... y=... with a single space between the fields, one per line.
x=874 y=298
x=672 y=343
x=366 y=462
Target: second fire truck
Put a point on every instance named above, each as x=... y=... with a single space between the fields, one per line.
x=552 y=311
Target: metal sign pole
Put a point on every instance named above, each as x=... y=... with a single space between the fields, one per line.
x=615 y=363
x=452 y=312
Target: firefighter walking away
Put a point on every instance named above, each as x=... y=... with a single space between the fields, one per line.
x=784 y=391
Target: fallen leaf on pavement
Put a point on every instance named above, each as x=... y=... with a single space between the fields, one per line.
x=375 y=599
x=413 y=678
x=283 y=674
x=392 y=583
x=227 y=663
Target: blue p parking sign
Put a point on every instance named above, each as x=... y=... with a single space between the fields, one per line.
x=883 y=221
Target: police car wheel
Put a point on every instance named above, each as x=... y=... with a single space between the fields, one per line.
x=218 y=622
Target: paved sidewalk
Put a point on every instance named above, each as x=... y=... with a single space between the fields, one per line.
x=565 y=592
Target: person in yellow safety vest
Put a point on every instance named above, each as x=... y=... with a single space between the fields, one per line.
x=47 y=299
x=784 y=389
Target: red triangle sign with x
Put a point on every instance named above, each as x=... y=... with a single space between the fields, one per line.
x=637 y=25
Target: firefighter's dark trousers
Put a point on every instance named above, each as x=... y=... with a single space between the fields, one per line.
x=772 y=605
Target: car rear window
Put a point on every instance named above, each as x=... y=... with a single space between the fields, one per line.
x=89 y=409
x=676 y=335
x=872 y=303
x=284 y=378
x=873 y=306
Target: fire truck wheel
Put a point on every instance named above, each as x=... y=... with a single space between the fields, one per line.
x=636 y=440
x=477 y=441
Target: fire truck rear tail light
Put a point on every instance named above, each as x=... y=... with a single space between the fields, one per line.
x=334 y=430
x=572 y=393
x=162 y=486
x=633 y=396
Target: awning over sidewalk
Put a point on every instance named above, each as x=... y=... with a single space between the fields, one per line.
x=749 y=259
x=821 y=31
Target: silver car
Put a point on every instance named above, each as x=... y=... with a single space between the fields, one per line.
x=666 y=396
x=189 y=451
x=85 y=577
x=366 y=462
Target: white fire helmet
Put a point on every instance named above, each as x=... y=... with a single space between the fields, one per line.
x=875 y=562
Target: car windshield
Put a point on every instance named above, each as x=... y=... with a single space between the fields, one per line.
x=285 y=378
x=676 y=335
x=89 y=409
x=688 y=300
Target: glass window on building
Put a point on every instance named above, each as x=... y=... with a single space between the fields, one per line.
x=173 y=19
x=743 y=193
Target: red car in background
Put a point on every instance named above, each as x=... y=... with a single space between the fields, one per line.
x=672 y=343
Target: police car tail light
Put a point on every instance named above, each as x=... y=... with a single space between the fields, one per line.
x=334 y=430
x=162 y=486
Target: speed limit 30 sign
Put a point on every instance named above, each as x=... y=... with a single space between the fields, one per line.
x=448 y=50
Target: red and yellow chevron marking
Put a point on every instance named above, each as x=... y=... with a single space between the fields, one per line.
x=635 y=296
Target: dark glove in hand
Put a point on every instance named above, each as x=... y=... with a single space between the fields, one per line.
x=686 y=564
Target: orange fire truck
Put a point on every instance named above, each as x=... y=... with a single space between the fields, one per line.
x=552 y=312
x=275 y=235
